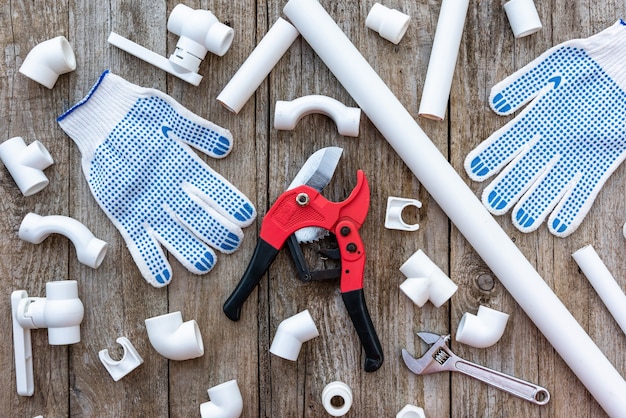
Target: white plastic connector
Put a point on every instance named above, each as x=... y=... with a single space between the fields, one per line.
x=119 y=368
x=343 y=398
x=483 y=329
x=393 y=217
x=523 y=17
x=89 y=249
x=390 y=24
x=426 y=281
x=411 y=411
x=226 y=401
x=48 y=60
x=61 y=311
x=26 y=164
x=291 y=333
x=174 y=339
x=347 y=119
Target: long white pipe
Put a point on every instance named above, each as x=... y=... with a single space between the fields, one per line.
x=460 y=204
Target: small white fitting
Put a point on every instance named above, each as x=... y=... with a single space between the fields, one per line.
x=258 y=65
x=48 y=60
x=119 y=368
x=483 y=329
x=347 y=119
x=89 y=249
x=342 y=402
x=390 y=24
x=523 y=17
x=174 y=339
x=61 y=311
x=291 y=333
x=226 y=401
x=393 y=217
x=26 y=164
x=411 y=411
x=426 y=281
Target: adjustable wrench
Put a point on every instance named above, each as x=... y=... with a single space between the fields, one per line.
x=440 y=358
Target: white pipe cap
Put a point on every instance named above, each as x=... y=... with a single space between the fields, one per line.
x=523 y=17
x=48 y=60
x=391 y=24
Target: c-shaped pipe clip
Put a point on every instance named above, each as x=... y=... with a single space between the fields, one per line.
x=426 y=281
x=26 y=164
x=395 y=207
x=119 y=368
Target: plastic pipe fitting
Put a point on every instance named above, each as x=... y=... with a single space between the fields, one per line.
x=426 y=281
x=342 y=402
x=61 y=311
x=89 y=249
x=174 y=339
x=226 y=401
x=48 y=60
x=26 y=164
x=119 y=368
x=291 y=333
x=411 y=411
x=523 y=17
x=483 y=329
x=393 y=215
x=390 y=24
x=347 y=119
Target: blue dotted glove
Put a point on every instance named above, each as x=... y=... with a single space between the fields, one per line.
x=556 y=154
x=136 y=156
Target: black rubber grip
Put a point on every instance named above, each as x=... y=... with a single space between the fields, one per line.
x=357 y=309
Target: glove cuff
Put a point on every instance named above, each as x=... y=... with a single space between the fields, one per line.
x=608 y=49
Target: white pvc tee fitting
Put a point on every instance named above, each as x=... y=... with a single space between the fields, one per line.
x=523 y=17
x=291 y=333
x=390 y=24
x=483 y=329
x=225 y=401
x=48 y=60
x=342 y=403
x=426 y=281
x=89 y=249
x=174 y=339
x=26 y=164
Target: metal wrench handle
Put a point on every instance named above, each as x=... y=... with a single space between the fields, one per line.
x=518 y=387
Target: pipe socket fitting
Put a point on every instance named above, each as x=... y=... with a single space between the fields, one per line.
x=483 y=329
x=337 y=398
x=26 y=164
x=48 y=60
x=174 y=339
x=291 y=333
x=226 y=401
x=390 y=24
x=89 y=249
x=523 y=17
x=426 y=281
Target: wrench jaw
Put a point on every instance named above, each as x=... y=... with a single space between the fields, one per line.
x=434 y=360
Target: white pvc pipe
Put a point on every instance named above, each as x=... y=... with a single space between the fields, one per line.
x=174 y=339
x=226 y=401
x=258 y=65
x=337 y=390
x=291 y=333
x=443 y=57
x=426 y=281
x=89 y=249
x=48 y=60
x=26 y=164
x=458 y=201
x=603 y=282
x=483 y=329
x=347 y=119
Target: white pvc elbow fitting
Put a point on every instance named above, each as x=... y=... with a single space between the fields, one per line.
x=426 y=281
x=483 y=329
x=226 y=401
x=291 y=333
x=89 y=249
x=48 y=60
x=174 y=339
x=523 y=17
x=26 y=164
x=338 y=390
x=390 y=24
x=347 y=119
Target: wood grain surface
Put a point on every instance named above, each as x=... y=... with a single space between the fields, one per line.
x=71 y=381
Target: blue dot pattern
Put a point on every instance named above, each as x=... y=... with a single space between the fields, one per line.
x=561 y=149
x=158 y=191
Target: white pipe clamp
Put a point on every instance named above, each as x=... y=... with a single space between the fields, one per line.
x=48 y=60
x=523 y=17
x=483 y=329
x=390 y=24
x=119 y=368
x=26 y=164
x=225 y=401
x=342 y=393
x=393 y=217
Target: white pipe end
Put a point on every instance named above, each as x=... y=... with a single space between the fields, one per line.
x=48 y=60
x=337 y=398
x=390 y=24
x=226 y=401
x=483 y=329
x=523 y=17
x=291 y=333
x=174 y=339
x=411 y=411
x=26 y=164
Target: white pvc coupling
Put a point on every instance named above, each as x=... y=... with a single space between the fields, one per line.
x=523 y=17
x=411 y=411
x=226 y=401
x=291 y=333
x=483 y=329
x=119 y=368
x=26 y=164
x=390 y=24
x=48 y=60
x=337 y=398
x=89 y=249
x=426 y=281
x=174 y=339
x=288 y=113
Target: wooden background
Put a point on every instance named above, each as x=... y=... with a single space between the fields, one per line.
x=71 y=381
